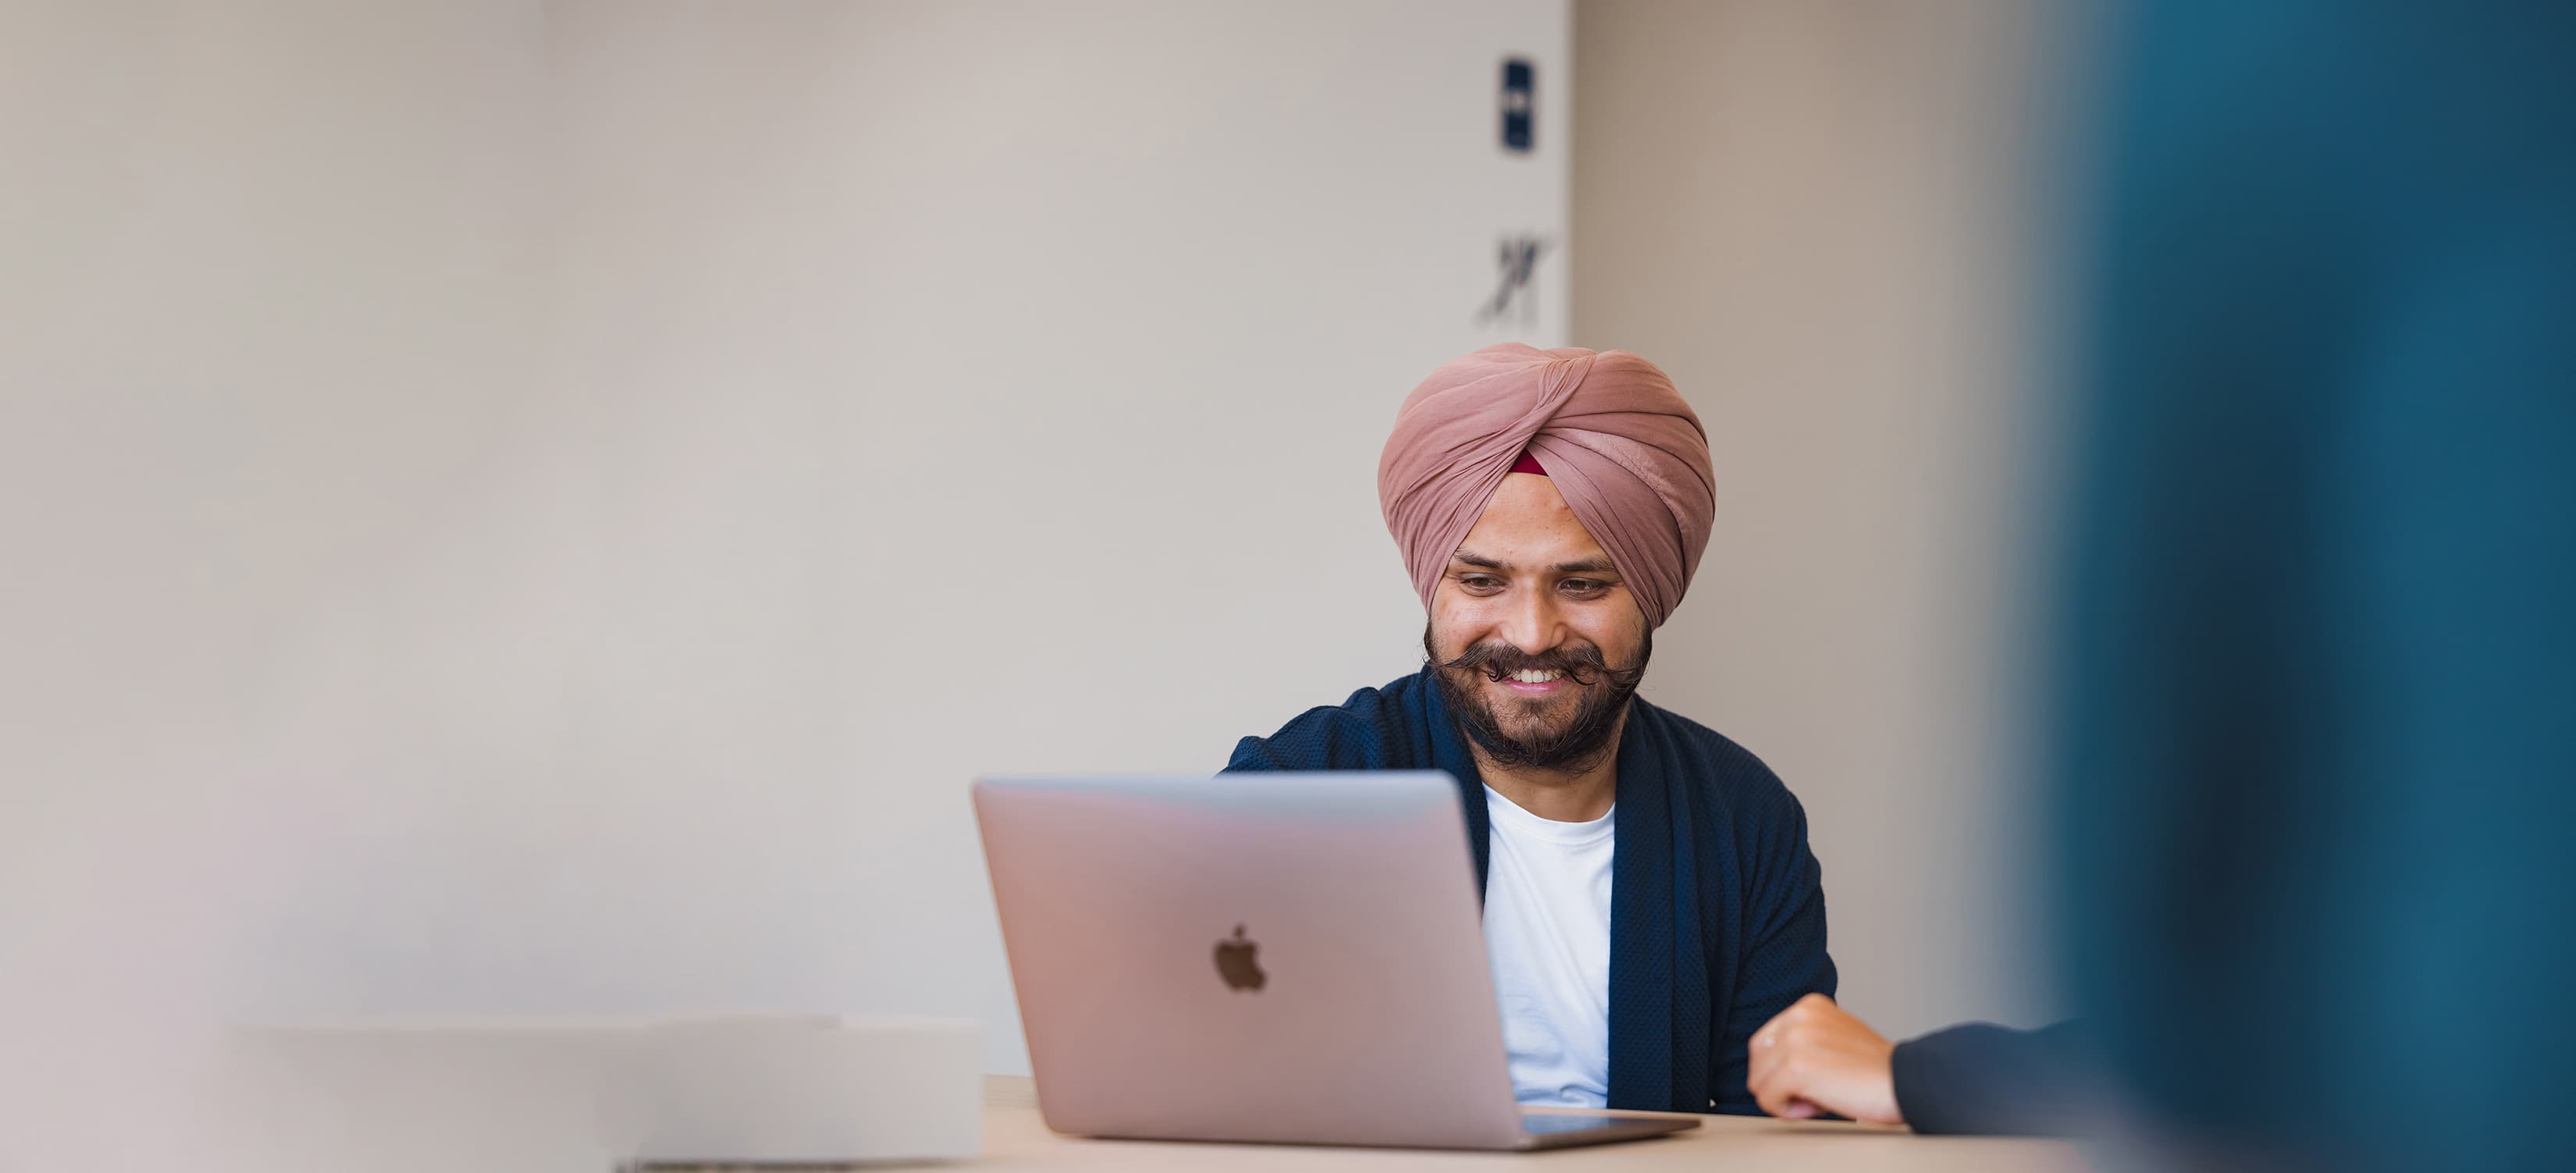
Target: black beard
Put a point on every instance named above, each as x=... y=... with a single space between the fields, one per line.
x=1581 y=744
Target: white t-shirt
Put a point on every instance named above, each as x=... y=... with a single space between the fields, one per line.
x=1547 y=933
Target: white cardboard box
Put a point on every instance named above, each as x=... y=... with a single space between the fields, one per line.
x=543 y=1095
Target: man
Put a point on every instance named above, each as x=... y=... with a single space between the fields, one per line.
x=1817 y=1058
x=1649 y=895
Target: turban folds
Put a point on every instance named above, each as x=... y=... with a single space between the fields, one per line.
x=1622 y=447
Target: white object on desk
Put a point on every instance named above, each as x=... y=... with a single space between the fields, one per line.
x=545 y=1095
x=798 y=1091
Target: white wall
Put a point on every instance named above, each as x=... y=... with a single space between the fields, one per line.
x=1818 y=216
x=544 y=509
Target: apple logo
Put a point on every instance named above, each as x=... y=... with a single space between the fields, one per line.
x=1237 y=964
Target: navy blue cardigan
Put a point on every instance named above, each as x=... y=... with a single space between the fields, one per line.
x=1717 y=913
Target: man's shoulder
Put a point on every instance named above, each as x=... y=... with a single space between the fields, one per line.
x=1719 y=763
x=1375 y=729
x=1739 y=800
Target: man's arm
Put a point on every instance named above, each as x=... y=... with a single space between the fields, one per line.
x=1252 y=755
x=1816 y=1058
x=1982 y=1078
x=1787 y=961
x=1366 y=732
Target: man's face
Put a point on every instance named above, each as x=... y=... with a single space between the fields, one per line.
x=1535 y=640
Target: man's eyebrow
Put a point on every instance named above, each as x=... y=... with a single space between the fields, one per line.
x=1600 y=565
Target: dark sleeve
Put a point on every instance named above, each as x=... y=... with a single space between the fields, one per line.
x=1252 y=755
x=1365 y=732
x=1321 y=739
x=1786 y=960
x=1991 y=1080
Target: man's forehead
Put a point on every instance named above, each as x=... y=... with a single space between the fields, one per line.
x=1527 y=520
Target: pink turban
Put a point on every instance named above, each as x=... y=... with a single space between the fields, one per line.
x=1614 y=435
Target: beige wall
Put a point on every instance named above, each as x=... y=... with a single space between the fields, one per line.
x=1814 y=215
x=525 y=508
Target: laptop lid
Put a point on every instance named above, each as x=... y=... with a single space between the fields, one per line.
x=1292 y=958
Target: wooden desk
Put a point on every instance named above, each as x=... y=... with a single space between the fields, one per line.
x=1015 y=1138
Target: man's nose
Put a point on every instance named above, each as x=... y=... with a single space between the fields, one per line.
x=1531 y=624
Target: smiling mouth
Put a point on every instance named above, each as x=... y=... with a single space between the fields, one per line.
x=1534 y=682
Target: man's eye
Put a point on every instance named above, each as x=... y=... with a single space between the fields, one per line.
x=1582 y=586
x=1480 y=582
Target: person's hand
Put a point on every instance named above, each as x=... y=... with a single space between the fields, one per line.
x=1816 y=1058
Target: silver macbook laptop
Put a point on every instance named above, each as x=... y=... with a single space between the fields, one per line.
x=1287 y=958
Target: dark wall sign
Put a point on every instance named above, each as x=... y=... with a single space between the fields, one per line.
x=1520 y=103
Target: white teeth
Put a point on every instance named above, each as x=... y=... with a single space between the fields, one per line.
x=1534 y=676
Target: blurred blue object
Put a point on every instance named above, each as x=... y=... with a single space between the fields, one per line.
x=2315 y=776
